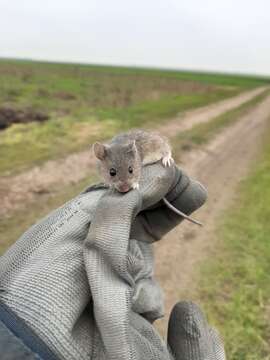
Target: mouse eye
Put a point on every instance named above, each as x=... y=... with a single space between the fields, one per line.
x=112 y=172
x=130 y=170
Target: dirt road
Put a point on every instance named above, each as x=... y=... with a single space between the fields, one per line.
x=219 y=166
x=18 y=191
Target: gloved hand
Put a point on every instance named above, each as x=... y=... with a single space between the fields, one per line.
x=81 y=280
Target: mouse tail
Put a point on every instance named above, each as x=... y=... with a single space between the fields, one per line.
x=180 y=213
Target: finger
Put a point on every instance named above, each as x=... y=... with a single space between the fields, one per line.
x=189 y=335
x=160 y=220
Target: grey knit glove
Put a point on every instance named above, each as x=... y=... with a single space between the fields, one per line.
x=119 y=264
x=82 y=278
x=190 y=337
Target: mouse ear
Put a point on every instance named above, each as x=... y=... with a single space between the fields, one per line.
x=132 y=147
x=99 y=150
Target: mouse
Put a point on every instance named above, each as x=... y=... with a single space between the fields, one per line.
x=120 y=161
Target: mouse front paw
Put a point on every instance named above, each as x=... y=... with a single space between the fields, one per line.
x=167 y=160
x=135 y=186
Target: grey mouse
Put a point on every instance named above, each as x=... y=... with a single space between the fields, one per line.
x=120 y=161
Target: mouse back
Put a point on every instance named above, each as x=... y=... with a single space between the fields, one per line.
x=151 y=146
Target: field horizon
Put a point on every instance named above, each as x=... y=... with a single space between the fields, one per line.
x=262 y=76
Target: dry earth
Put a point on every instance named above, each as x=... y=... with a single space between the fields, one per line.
x=18 y=191
x=219 y=166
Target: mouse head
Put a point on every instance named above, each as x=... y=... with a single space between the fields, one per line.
x=119 y=165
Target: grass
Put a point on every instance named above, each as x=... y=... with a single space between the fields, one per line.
x=89 y=102
x=235 y=284
x=202 y=133
x=220 y=79
x=78 y=89
x=150 y=113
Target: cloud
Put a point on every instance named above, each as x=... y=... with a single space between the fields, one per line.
x=222 y=35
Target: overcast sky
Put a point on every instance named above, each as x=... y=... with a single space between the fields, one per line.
x=222 y=35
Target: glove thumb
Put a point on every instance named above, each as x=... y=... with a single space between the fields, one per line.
x=190 y=337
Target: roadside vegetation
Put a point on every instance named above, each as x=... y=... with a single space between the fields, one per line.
x=234 y=285
x=69 y=106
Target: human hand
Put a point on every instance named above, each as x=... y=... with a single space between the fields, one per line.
x=190 y=337
x=82 y=278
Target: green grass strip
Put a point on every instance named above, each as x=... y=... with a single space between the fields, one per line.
x=235 y=283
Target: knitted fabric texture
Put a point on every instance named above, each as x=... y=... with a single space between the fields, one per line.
x=82 y=278
x=190 y=336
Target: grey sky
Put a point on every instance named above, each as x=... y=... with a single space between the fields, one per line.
x=223 y=35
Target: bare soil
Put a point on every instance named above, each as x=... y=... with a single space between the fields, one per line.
x=9 y=116
x=219 y=166
x=18 y=191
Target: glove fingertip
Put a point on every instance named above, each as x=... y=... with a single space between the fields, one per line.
x=189 y=335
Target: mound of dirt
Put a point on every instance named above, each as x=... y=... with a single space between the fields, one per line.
x=65 y=95
x=9 y=116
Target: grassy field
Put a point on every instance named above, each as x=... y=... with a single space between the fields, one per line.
x=235 y=284
x=89 y=102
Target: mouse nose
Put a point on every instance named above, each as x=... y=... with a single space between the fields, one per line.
x=124 y=187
